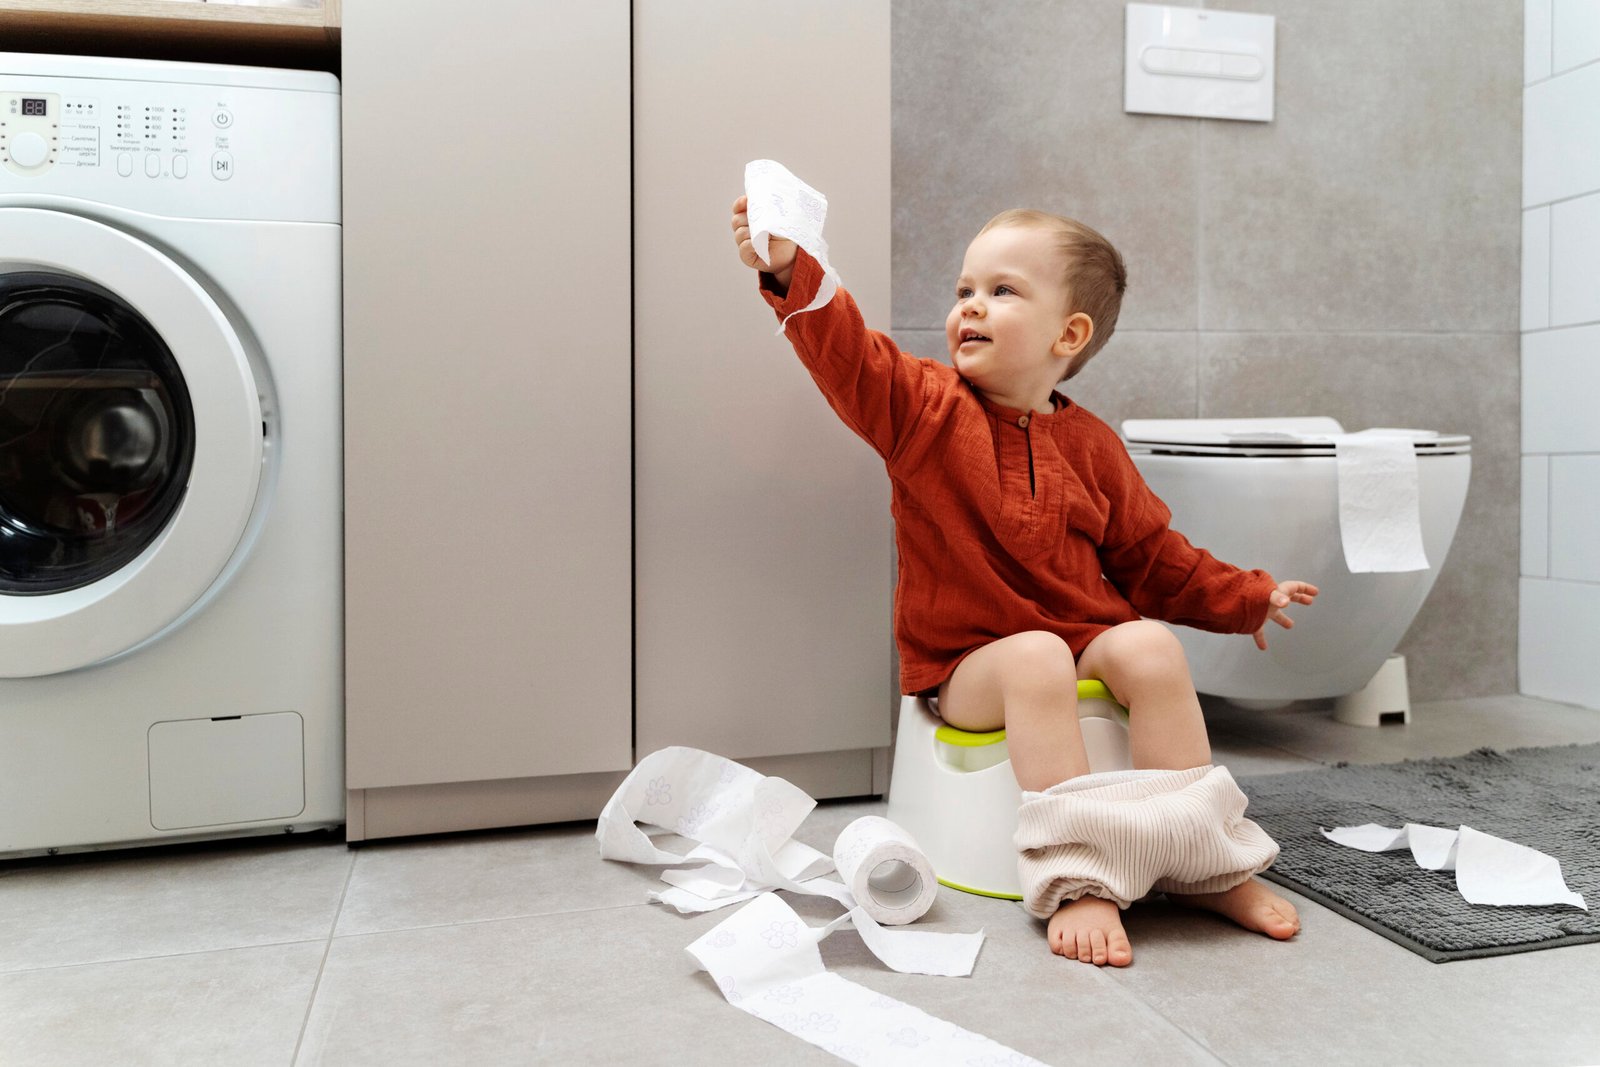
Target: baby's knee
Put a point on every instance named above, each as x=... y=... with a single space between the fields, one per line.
x=1039 y=659
x=1150 y=644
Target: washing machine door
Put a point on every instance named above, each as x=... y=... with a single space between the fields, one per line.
x=131 y=442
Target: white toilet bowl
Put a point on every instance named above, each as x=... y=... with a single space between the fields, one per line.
x=1265 y=493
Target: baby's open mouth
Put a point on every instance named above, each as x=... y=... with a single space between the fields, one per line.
x=972 y=335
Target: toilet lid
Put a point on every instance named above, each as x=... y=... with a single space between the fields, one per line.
x=1293 y=436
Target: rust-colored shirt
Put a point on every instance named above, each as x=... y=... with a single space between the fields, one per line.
x=1005 y=520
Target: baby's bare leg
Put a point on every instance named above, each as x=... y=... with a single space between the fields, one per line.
x=1144 y=666
x=1028 y=683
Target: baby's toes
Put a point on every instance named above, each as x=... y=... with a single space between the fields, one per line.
x=1119 y=952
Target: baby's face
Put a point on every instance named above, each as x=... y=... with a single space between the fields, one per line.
x=1011 y=305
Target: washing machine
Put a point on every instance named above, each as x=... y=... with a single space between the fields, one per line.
x=170 y=453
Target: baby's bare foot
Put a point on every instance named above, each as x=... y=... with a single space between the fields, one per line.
x=1250 y=904
x=1090 y=930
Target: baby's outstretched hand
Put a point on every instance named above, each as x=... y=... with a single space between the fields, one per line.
x=1287 y=593
x=779 y=249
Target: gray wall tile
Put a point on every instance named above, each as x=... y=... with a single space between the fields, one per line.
x=1382 y=194
x=1028 y=113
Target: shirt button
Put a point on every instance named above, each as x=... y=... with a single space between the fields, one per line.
x=1023 y=422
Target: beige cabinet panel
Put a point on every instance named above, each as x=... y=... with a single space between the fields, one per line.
x=763 y=554
x=487 y=309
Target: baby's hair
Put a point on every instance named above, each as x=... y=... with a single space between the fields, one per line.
x=1095 y=276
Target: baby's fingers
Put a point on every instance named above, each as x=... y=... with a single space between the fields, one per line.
x=1282 y=620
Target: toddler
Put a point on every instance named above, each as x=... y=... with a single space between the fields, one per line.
x=1032 y=555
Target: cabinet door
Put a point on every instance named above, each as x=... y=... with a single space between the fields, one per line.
x=763 y=539
x=487 y=306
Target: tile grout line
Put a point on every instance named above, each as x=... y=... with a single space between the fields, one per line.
x=1144 y=1005
x=322 y=965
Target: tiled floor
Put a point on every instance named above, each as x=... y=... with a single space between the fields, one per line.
x=524 y=947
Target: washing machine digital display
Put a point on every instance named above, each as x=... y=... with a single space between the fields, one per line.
x=96 y=433
x=31 y=106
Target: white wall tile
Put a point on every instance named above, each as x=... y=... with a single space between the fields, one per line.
x=1536 y=268
x=1575 y=29
x=1561 y=137
x=1559 y=625
x=1560 y=379
x=1575 y=261
x=1535 y=516
x=1575 y=518
x=1536 y=16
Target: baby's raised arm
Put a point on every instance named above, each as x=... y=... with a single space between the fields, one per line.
x=782 y=251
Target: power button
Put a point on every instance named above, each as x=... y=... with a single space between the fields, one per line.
x=222 y=119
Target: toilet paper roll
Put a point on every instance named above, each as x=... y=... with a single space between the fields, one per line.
x=889 y=876
x=780 y=205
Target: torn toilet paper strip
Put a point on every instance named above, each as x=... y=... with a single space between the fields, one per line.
x=780 y=205
x=765 y=961
x=742 y=821
x=1380 y=516
x=1489 y=869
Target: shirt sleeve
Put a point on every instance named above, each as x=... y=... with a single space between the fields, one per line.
x=873 y=386
x=1164 y=576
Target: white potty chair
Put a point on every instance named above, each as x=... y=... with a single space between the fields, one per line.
x=955 y=793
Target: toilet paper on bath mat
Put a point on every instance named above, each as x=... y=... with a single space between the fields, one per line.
x=1489 y=869
x=780 y=205
x=1380 y=519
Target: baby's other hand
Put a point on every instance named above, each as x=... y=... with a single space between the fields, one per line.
x=1287 y=593
x=780 y=250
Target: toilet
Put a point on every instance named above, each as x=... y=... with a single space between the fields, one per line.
x=1265 y=493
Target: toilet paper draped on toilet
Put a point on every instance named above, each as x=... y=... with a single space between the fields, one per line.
x=1380 y=510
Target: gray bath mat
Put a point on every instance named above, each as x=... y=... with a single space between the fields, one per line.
x=1545 y=798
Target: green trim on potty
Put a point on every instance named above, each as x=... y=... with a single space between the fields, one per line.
x=979 y=892
x=1088 y=689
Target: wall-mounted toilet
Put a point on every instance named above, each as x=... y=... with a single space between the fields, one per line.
x=1265 y=493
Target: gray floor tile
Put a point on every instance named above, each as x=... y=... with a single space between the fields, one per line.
x=577 y=988
x=238 y=1007
x=89 y=909
x=1340 y=994
x=470 y=878
x=1442 y=728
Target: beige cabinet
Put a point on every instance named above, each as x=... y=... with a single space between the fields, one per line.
x=571 y=436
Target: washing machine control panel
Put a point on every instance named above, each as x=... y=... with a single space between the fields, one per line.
x=210 y=151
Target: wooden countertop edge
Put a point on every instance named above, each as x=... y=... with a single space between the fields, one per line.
x=278 y=26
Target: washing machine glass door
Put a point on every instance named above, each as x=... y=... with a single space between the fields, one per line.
x=130 y=442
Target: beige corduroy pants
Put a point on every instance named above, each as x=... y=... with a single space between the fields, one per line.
x=1119 y=835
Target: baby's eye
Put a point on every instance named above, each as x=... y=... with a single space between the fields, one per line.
x=962 y=292
x=1000 y=289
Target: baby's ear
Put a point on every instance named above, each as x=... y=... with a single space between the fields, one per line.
x=1076 y=332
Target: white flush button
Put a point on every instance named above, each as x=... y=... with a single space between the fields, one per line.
x=28 y=149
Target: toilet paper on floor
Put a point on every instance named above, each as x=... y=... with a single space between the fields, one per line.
x=743 y=821
x=765 y=961
x=1380 y=514
x=781 y=205
x=1489 y=869
x=764 y=958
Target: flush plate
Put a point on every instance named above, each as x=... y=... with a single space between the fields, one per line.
x=1199 y=62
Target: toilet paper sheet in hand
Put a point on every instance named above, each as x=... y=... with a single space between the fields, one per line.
x=1489 y=869
x=781 y=205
